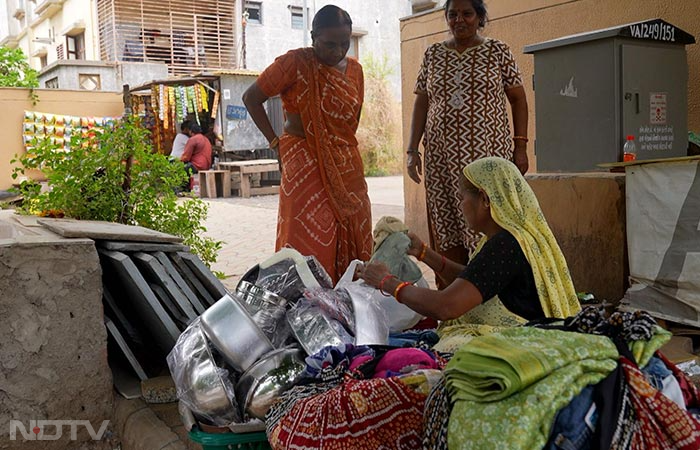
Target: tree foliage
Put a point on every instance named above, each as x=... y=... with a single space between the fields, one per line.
x=379 y=133
x=15 y=70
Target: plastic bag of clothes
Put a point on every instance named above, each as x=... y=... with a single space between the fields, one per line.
x=392 y=252
x=371 y=321
x=337 y=304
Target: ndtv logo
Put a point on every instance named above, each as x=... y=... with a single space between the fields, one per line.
x=37 y=428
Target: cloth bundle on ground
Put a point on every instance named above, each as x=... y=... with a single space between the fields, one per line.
x=517 y=380
x=359 y=414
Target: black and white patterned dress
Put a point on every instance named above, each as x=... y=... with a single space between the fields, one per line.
x=467 y=120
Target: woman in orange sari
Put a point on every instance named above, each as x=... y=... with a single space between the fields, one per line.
x=324 y=209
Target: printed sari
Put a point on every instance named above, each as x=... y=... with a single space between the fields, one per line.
x=324 y=209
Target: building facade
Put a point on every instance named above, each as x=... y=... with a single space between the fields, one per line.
x=182 y=37
x=275 y=26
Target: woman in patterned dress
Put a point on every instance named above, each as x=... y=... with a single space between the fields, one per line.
x=324 y=209
x=460 y=113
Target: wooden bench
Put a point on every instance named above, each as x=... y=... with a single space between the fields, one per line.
x=213 y=182
x=247 y=168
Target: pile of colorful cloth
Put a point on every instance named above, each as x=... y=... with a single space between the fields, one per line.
x=590 y=381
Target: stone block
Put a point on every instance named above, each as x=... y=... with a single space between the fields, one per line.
x=53 y=363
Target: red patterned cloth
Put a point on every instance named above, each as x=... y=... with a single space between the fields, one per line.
x=358 y=414
x=660 y=423
x=690 y=391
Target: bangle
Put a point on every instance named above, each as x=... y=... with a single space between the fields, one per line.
x=401 y=285
x=413 y=150
x=423 y=249
x=275 y=142
x=444 y=263
x=521 y=138
x=381 y=285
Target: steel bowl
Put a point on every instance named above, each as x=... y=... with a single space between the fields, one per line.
x=234 y=333
x=265 y=380
x=201 y=385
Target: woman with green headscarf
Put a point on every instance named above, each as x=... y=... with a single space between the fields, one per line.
x=518 y=260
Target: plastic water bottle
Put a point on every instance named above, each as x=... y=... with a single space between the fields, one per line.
x=629 y=151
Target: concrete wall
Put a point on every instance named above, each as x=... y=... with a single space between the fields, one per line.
x=586 y=213
x=379 y=20
x=53 y=363
x=13 y=103
x=112 y=75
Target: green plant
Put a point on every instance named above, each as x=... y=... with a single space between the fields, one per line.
x=114 y=175
x=379 y=133
x=16 y=72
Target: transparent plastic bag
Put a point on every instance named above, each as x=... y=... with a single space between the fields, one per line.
x=288 y=273
x=371 y=321
x=205 y=388
x=337 y=304
x=313 y=329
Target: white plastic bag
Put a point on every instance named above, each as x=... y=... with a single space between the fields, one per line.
x=396 y=316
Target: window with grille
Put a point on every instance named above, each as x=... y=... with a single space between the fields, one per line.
x=89 y=81
x=254 y=10
x=76 y=46
x=52 y=83
x=297 y=17
x=187 y=36
x=60 y=52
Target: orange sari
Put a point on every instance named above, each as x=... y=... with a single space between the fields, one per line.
x=324 y=209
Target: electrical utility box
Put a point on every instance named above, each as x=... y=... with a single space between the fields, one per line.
x=594 y=89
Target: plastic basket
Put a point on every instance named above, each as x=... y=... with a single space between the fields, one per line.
x=230 y=441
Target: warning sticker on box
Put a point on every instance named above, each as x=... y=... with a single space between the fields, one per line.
x=657 y=108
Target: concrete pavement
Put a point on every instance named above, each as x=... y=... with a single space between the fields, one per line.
x=247 y=225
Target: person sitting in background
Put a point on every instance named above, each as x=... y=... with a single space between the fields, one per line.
x=518 y=259
x=197 y=154
x=180 y=140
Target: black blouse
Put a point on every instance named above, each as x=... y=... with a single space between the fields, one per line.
x=500 y=268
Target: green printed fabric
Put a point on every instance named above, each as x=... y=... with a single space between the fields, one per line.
x=507 y=387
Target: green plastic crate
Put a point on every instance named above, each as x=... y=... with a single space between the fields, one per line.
x=230 y=441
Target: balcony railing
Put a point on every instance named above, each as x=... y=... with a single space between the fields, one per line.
x=187 y=36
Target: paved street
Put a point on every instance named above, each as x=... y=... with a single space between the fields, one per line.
x=247 y=225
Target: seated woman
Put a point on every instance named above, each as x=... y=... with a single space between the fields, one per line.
x=518 y=261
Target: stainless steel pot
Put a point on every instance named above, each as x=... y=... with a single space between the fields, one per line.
x=201 y=385
x=234 y=333
x=265 y=380
x=266 y=308
x=254 y=297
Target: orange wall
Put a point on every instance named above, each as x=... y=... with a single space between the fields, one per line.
x=13 y=103
x=522 y=22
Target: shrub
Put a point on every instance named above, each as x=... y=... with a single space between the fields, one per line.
x=114 y=175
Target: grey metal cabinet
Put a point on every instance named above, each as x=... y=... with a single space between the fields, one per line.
x=594 y=89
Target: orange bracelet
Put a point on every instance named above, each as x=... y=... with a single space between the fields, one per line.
x=521 y=138
x=424 y=249
x=401 y=285
x=381 y=285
